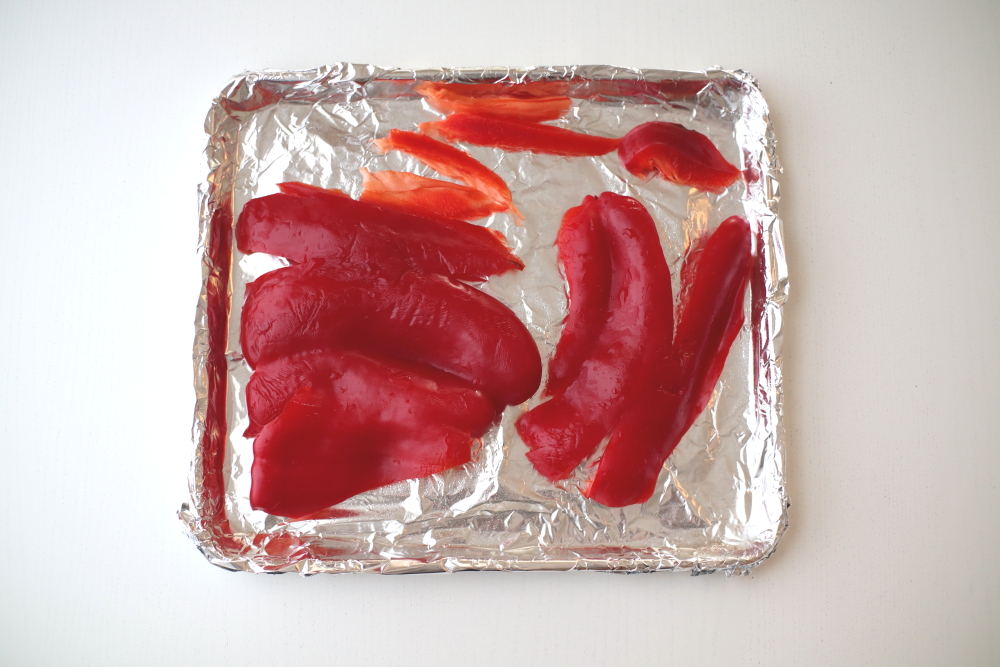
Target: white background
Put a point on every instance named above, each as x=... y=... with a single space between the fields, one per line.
x=886 y=118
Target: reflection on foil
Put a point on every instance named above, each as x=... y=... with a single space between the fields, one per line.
x=722 y=504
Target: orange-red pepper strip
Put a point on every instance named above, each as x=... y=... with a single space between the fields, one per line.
x=451 y=162
x=531 y=109
x=516 y=135
x=426 y=196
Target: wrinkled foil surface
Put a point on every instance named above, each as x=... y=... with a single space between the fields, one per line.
x=721 y=503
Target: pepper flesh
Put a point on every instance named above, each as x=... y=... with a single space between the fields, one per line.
x=357 y=236
x=272 y=385
x=531 y=109
x=619 y=367
x=517 y=135
x=707 y=327
x=679 y=155
x=586 y=263
x=449 y=161
x=525 y=90
x=421 y=196
x=358 y=424
x=427 y=319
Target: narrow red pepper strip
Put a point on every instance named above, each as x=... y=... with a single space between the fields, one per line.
x=516 y=135
x=652 y=427
x=358 y=236
x=586 y=263
x=451 y=162
x=526 y=90
x=427 y=319
x=677 y=154
x=358 y=424
x=426 y=196
x=531 y=109
x=305 y=190
x=620 y=367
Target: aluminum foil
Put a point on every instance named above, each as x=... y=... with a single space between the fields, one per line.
x=721 y=503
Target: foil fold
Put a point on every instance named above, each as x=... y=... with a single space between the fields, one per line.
x=722 y=505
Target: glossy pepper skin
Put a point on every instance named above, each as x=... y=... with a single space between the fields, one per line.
x=421 y=318
x=635 y=332
x=422 y=196
x=358 y=235
x=523 y=90
x=517 y=135
x=449 y=161
x=531 y=109
x=709 y=323
x=355 y=423
x=586 y=265
x=677 y=154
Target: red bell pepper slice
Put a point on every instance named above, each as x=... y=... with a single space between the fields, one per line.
x=634 y=333
x=677 y=154
x=306 y=190
x=586 y=262
x=422 y=318
x=422 y=196
x=525 y=90
x=273 y=384
x=357 y=236
x=518 y=135
x=449 y=161
x=531 y=109
x=709 y=323
x=357 y=424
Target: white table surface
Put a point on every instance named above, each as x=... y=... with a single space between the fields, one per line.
x=886 y=119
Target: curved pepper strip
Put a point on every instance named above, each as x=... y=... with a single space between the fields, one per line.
x=586 y=262
x=620 y=366
x=358 y=424
x=357 y=235
x=451 y=162
x=531 y=109
x=525 y=90
x=651 y=429
x=272 y=385
x=427 y=319
x=305 y=190
x=677 y=154
x=422 y=196
x=517 y=135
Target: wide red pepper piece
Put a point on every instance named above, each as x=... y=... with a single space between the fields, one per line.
x=358 y=424
x=449 y=161
x=272 y=385
x=635 y=331
x=422 y=318
x=523 y=90
x=358 y=235
x=677 y=154
x=518 y=135
x=531 y=109
x=708 y=324
x=422 y=196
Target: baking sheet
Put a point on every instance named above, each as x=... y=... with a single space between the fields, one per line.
x=721 y=503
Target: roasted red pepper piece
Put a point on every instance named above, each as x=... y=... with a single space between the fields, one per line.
x=518 y=135
x=525 y=90
x=677 y=154
x=357 y=235
x=586 y=262
x=305 y=190
x=273 y=384
x=357 y=424
x=532 y=109
x=708 y=325
x=422 y=318
x=449 y=161
x=620 y=366
x=421 y=196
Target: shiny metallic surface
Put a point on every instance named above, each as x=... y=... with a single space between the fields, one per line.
x=721 y=503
